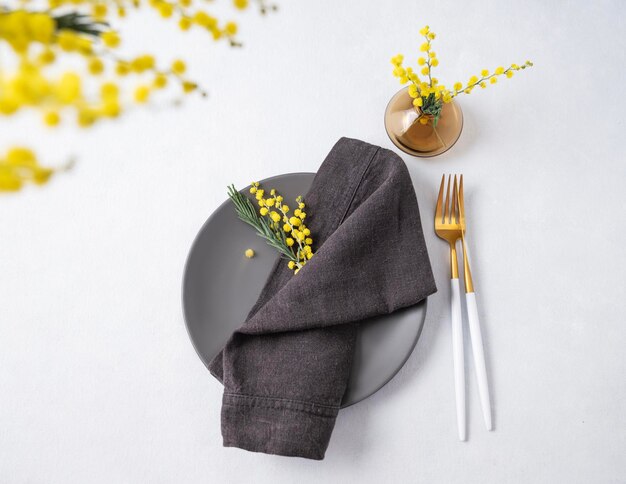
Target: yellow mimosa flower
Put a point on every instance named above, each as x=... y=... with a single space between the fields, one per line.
x=275 y=217
x=184 y=23
x=430 y=95
x=160 y=81
x=52 y=118
x=96 y=66
x=178 y=67
x=110 y=39
x=230 y=28
x=142 y=93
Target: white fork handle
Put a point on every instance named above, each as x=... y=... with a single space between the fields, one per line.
x=479 y=357
x=457 y=354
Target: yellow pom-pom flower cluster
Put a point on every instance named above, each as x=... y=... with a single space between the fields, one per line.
x=40 y=40
x=63 y=59
x=289 y=226
x=427 y=93
x=19 y=166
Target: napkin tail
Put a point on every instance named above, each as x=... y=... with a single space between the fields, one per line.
x=277 y=425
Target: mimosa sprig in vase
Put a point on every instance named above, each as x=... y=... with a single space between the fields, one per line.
x=423 y=119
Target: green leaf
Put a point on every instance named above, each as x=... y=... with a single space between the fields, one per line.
x=248 y=214
x=80 y=23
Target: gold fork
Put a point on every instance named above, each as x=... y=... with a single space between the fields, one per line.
x=473 y=321
x=448 y=227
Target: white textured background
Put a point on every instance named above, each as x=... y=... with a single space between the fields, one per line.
x=98 y=380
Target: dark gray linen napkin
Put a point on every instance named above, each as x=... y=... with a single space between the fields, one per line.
x=286 y=368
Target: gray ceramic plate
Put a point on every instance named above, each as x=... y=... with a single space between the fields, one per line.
x=220 y=286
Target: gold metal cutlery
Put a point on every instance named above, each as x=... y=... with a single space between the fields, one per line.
x=450 y=225
x=473 y=321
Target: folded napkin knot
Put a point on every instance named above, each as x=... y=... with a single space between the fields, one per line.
x=285 y=370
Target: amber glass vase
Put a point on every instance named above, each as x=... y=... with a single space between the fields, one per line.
x=402 y=122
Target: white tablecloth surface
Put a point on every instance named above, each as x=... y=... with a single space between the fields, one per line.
x=98 y=379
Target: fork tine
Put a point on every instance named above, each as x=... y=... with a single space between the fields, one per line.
x=461 y=201
x=454 y=211
x=438 y=210
x=446 y=213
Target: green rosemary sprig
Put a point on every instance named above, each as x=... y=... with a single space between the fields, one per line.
x=247 y=213
x=432 y=106
x=80 y=23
